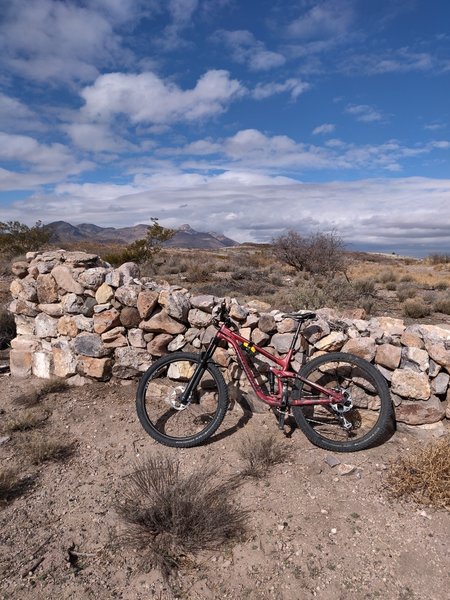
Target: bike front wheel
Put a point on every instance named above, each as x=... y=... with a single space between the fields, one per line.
x=159 y=406
x=366 y=417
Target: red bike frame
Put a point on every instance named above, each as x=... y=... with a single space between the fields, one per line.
x=281 y=374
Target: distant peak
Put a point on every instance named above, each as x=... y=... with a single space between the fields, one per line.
x=186 y=227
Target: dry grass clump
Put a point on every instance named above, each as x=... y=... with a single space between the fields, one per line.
x=443 y=306
x=387 y=275
x=33 y=397
x=40 y=449
x=25 y=420
x=261 y=453
x=12 y=485
x=416 y=308
x=170 y=515
x=423 y=475
x=405 y=291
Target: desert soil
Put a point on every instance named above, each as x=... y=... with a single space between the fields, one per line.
x=312 y=532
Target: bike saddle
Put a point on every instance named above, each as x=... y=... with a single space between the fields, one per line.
x=300 y=316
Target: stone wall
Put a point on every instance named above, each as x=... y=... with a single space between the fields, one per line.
x=80 y=319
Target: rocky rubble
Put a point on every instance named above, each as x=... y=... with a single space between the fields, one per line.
x=80 y=319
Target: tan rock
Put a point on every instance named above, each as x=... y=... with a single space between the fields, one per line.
x=267 y=323
x=26 y=343
x=259 y=337
x=416 y=357
x=419 y=413
x=388 y=356
x=46 y=326
x=146 y=303
x=238 y=312
x=439 y=353
x=64 y=278
x=64 y=360
x=162 y=323
x=199 y=318
x=130 y=317
x=158 y=345
x=108 y=319
x=391 y=326
x=128 y=294
x=363 y=347
x=412 y=339
x=67 y=326
x=331 y=342
x=136 y=338
x=20 y=363
x=286 y=326
x=42 y=365
x=20 y=268
x=98 y=368
x=47 y=289
x=53 y=310
x=410 y=384
x=176 y=304
x=104 y=294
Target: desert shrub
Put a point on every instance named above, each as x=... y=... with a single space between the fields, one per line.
x=318 y=253
x=7 y=328
x=406 y=278
x=365 y=287
x=423 y=475
x=333 y=293
x=260 y=453
x=391 y=286
x=12 y=484
x=443 y=306
x=18 y=238
x=437 y=258
x=441 y=285
x=405 y=291
x=416 y=308
x=387 y=275
x=40 y=449
x=170 y=514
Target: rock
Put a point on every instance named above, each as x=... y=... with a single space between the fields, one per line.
x=208 y=335
x=130 y=317
x=87 y=308
x=98 y=368
x=84 y=323
x=53 y=310
x=204 y=302
x=20 y=269
x=45 y=326
x=267 y=324
x=252 y=321
x=191 y=334
x=25 y=288
x=104 y=294
x=238 y=312
x=424 y=432
x=434 y=368
x=409 y=384
x=47 y=289
x=176 y=304
x=158 y=345
x=41 y=365
x=24 y=325
x=439 y=353
x=146 y=303
x=387 y=374
x=440 y=383
x=199 y=318
x=64 y=279
x=72 y=304
x=388 y=356
x=136 y=338
x=162 y=323
x=314 y=332
x=20 y=363
x=259 y=337
x=332 y=461
x=258 y=306
x=411 y=339
x=129 y=271
x=286 y=326
x=334 y=341
x=93 y=278
x=4 y=439
x=176 y=344
x=128 y=294
x=130 y=362
x=81 y=259
x=67 y=326
x=346 y=469
x=64 y=360
x=23 y=307
x=90 y=344
x=419 y=413
x=246 y=332
x=105 y=320
x=282 y=342
x=363 y=347
x=389 y=325
x=416 y=356
x=115 y=338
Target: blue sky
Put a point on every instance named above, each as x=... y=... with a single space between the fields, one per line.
x=244 y=117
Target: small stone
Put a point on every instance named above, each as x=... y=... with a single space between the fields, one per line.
x=332 y=461
x=4 y=439
x=346 y=469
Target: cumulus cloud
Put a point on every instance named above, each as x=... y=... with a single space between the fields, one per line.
x=146 y=98
x=64 y=41
x=246 y=49
x=16 y=116
x=293 y=86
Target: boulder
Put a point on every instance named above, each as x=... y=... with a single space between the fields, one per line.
x=104 y=294
x=20 y=363
x=128 y=294
x=199 y=318
x=20 y=269
x=45 y=326
x=136 y=338
x=92 y=278
x=162 y=323
x=204 y=302
x=105 y=320
x=158 y=345
x=98 y=368
x=130 y=362
x=409 y=384
x=67 y=326
x=90 y=344
x=363 y=347
x=47 y=289
x=64 y=360
x=331 y=342
x=42 y=365
x=419 y=413
x=130 y=317
x=388 y=356
x=176 y=304
x=65 y=280
x=146 y=303
x=267 y=323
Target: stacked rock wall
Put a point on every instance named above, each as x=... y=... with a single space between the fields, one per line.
x=80 y=319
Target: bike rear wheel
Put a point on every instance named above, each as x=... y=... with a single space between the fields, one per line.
x=369 y=414
x=158 y=401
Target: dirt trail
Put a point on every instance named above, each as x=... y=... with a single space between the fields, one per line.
x=312 y=533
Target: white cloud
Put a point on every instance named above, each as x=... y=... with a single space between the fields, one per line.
x=64 y=41
x=15 y=116
x=326 y=19
x=246 y=49
x=324 y=129
x=391 y=214
x=294 y=86
x=400 y=60
x=364 y=113
x=45 y=163
x=146 y=98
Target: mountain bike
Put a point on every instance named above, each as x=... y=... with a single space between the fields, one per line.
x=340 y=401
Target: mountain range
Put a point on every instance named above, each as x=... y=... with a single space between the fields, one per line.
x=185 y=236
